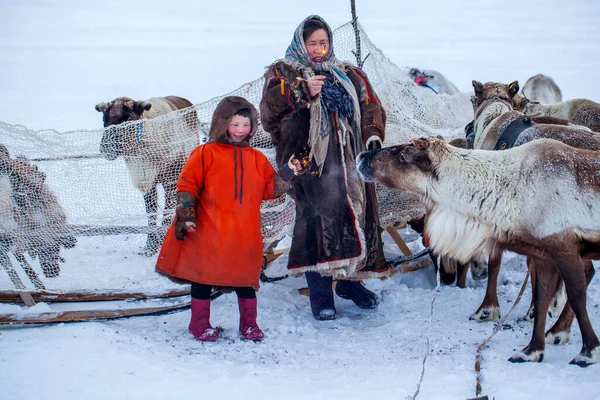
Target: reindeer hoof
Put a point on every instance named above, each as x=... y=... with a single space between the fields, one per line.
x=486 y=314
x=479 y=270
x=529 y=317
x=521 y=357
x=586 y=358
x=559 y=338
x=557 y=304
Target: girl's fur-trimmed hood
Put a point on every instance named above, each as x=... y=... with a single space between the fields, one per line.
x=226 y=109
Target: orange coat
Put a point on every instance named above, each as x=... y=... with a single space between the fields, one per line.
x=226 y=249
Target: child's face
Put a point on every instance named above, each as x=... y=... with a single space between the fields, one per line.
x=239 y=128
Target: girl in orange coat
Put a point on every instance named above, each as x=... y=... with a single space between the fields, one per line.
x=215 y=239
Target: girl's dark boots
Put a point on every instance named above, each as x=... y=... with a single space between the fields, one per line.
x=321 y=296
x=200 y=325
x=358 y=293
x=248 y=327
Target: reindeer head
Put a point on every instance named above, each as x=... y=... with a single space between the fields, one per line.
x=520 y=102
x=493 y=92
x=115 y=141
x=402 y=167
x=122 y=109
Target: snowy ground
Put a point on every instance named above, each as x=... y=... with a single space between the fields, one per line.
x=60 y=58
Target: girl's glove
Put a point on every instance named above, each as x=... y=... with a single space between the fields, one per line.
x=185 y=214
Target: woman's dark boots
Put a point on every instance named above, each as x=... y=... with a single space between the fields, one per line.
x=321 y=296
x=358 y=293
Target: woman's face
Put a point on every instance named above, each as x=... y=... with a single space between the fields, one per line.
x=239 y=128
x=317 y=45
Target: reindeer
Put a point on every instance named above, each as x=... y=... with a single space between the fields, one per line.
x=481 y=203
x=498 y=126
x=578 y=111
x=33 y=219
x=154 y=153
x=542 y=89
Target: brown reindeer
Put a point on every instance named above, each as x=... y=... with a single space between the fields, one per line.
x=482 y=203
x=40 y=221
x=498 y=126
x=154 y=152
x=579 y=111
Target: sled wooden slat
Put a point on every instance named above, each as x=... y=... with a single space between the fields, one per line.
x=14 y=296
x=393 y=231
x=414 y=265
x=87 y=315
x=272 y=255
x=27 y=299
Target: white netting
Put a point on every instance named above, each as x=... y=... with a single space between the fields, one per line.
x=66 y=189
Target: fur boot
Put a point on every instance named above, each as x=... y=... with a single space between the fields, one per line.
x=321 y=296
x=200 y=325
x=355 y=291
x=248 y=326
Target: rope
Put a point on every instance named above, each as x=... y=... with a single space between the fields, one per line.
x=478 y=387
x=435 y=292
x=400 y=260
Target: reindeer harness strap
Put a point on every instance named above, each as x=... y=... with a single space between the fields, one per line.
x=509 y=136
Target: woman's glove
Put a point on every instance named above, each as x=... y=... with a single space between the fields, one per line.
x=299 y=93
x=185 y=214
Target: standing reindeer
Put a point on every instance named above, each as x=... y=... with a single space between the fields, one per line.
x=154 y=153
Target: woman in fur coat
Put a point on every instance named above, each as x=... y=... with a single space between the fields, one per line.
x=324 y=112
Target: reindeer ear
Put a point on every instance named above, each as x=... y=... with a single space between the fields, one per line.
x=141 y=106
x=478 y=86
x=101 y=107
x=513 y=88
x=128 y=105
x=421 y=143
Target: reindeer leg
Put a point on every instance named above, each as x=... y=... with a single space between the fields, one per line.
x=447 y=270
x=150 y=201
x=545 y=280
x=170 y=201
x=461 y=274
x=489 y=310
x=33 y=276
x=8 y=267
x=529 y=316
x=574 y=275
x=560 y=333
x=559 y=300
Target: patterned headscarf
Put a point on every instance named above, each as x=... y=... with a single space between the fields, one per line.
x=320 y=126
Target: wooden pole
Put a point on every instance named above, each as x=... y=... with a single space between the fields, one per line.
x=357 y=53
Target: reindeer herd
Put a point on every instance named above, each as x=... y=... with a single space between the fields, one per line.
x=524 y=186
x=525 y=179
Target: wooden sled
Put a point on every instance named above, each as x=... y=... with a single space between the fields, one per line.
x=100 y=305
x=121 y=309
x=14 y=296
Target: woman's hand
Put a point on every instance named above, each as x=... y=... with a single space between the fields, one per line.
x=315 y=83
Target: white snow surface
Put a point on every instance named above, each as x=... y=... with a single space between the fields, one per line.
x=60 y=58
